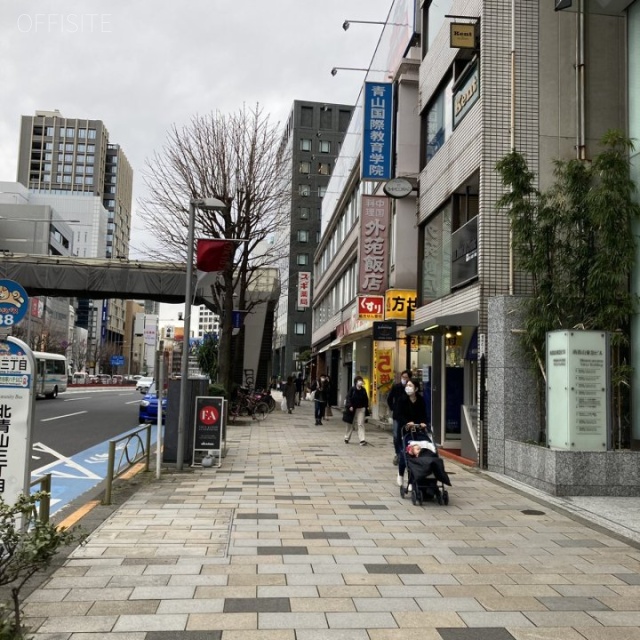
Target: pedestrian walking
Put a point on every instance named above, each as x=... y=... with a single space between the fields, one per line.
x=299 y=388
x=328 y=413
x=290 y=393
x=396 y=394
x=357 y=403
x=412 y=410
x=320 y=398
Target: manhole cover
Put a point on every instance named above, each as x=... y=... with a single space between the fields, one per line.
x=532 y=512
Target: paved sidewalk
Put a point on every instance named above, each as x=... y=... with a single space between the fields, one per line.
x=301 y=537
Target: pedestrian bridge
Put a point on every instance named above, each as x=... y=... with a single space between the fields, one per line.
x=96 y=278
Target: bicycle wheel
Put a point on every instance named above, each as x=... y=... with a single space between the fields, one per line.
x=243 y=409
x=261 y=411
x=272 y=403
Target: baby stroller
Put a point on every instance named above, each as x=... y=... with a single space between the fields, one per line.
x=425 y=470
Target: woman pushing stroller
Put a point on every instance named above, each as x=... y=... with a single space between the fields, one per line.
x=412 y=416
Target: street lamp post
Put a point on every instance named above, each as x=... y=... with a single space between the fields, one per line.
x=206 y=204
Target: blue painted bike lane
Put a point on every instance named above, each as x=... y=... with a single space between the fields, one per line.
x=73 y=476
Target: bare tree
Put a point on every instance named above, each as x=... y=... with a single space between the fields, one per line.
x=238 y=159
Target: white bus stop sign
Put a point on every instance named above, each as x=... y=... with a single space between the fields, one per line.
x=17 y=370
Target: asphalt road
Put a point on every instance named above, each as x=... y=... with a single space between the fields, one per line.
x=70 y=439
x=78 y=419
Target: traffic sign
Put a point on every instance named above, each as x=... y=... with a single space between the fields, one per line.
x=14 y=303
x=117 y=361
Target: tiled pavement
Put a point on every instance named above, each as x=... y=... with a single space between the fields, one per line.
x=301 y=537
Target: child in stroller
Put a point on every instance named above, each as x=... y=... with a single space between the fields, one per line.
x=424 y=465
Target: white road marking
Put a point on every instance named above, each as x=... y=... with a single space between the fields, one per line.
x=67 y=415
x=68 y=462
x=74 y=399
x=133 y=402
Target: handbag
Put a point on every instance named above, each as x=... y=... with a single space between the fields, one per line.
x=327 y=412
x=348 y=416
x=283 y=404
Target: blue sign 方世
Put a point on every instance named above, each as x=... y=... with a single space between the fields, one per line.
x=376 y=135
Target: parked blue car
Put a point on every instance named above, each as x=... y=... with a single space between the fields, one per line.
x=149 y=407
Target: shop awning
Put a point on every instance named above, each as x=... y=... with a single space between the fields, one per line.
x=326 y=347
x=438 y=323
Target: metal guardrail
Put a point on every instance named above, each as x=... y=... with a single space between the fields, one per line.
x=141 y=450
x=43 y=510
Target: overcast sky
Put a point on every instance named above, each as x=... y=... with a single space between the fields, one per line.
x=142 y=65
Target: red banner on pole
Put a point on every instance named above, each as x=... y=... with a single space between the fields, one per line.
x=214 y=255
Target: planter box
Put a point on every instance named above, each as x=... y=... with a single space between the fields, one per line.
x=573 y=473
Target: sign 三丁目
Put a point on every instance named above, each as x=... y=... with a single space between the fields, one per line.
x=16 y=409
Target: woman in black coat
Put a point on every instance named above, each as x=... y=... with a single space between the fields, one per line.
x=357 y=403
x=412 y=414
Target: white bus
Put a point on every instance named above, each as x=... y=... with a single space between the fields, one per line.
x=51 y=374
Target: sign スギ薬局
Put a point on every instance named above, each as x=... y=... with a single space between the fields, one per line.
x=376 y=135
x=304 y=289
x=374 y=245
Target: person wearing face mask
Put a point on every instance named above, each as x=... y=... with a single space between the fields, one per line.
x=412 y=414
x=357 y=403
x=393 y=401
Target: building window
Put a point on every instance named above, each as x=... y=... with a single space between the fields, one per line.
x=68 y=146
x=305 y=144
x=325 y=146
x=326 y=117
x=344 y=117
x=66 y=168
x=48 y=145
x=91 y=133
x=303 y=259
x=88 y=180
x=303 y=235
x=305 y=167
x=304 y=213
x=78 y=180
x=306 y=117
x=304 y=190
x=437 y=121
x=82 y=133
x=91 y=148
x=90 y=159
x=324 y=169
x=322 y=190
x=50 y=131
x=436 y=263
x=435 y=18
x=300 y=328
x=48 y=156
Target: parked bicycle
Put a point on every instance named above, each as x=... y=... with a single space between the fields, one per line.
x=245 y=404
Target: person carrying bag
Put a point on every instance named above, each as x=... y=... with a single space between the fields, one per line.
x=357 y=404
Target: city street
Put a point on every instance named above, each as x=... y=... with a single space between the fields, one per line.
x=299 y=536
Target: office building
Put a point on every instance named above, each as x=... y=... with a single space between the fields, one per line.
x=70 y=164
x=312 y=139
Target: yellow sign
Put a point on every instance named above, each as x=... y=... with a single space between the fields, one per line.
x=397 y=301
x=462 y=35
x=382 y=371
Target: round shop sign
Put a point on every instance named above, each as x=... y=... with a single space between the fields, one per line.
x=14 y=303
x=398 y=188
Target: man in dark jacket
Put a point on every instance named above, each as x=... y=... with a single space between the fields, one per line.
x=321 y=397
x=393 y=400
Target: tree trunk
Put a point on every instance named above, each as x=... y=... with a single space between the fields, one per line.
x=224 y=350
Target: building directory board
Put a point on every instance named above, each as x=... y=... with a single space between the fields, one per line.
x=578 y=380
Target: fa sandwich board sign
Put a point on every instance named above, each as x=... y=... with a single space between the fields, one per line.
x=17 y=400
